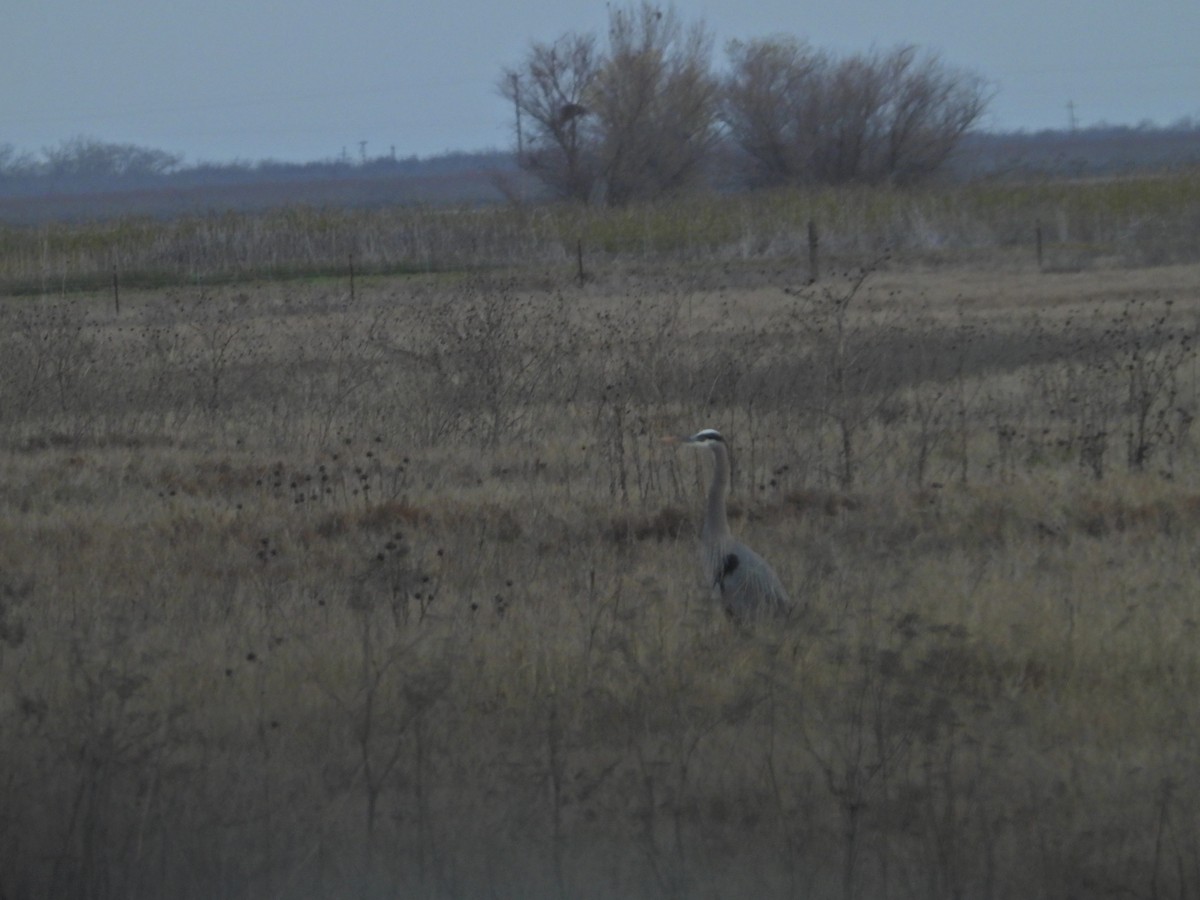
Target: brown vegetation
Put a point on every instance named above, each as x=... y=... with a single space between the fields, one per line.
x=306 y=597
x=799 y=115
x=645 y=116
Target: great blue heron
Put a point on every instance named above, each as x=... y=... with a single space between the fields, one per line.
x=746 y=582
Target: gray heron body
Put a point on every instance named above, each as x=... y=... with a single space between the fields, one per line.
x=746 y=583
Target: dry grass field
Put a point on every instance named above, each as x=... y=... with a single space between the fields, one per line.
x=305 y=596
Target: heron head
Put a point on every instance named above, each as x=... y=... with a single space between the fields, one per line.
x=706 y=438
x=701 y=439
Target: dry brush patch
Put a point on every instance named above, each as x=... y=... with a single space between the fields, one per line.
x=304 y=596
x=1079 y=226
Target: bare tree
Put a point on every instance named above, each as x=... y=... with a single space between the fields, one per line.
x=635 y=122
x=930 y=107
x=550 y=89
x=891 y=116
x=640 y=119
x=14 y=164
x=85 y=157
x=849 y=128
x=769 y=103
x=656 y=101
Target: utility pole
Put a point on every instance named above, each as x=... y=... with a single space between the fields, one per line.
x=516 y=83
x=1072 y=122
x=362 y=151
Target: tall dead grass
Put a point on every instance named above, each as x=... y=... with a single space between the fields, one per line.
x=308 y=597
x=1076 y=225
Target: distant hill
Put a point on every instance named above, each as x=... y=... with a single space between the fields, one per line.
x=31 y=196
x=1088 y=152
x=89 y=180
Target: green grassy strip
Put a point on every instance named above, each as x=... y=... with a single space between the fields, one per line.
x=1112 y=215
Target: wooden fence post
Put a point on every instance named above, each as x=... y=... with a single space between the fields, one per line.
x=813 y=242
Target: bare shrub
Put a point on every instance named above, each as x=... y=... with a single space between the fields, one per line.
x=552 y=89
x=635 y=122
x=804 y=116
x=771 y=103
x=1146 y=366
x=1115 y=376
x=655 y=100
x=343 y=369
x=49 y=353
x=492 y=358
x=854 y=351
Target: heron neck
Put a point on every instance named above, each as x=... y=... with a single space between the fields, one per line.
x=715 y=523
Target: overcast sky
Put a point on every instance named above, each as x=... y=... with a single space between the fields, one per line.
x=308 y=79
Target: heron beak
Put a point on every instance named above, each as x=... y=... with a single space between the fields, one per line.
x=674 y=439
